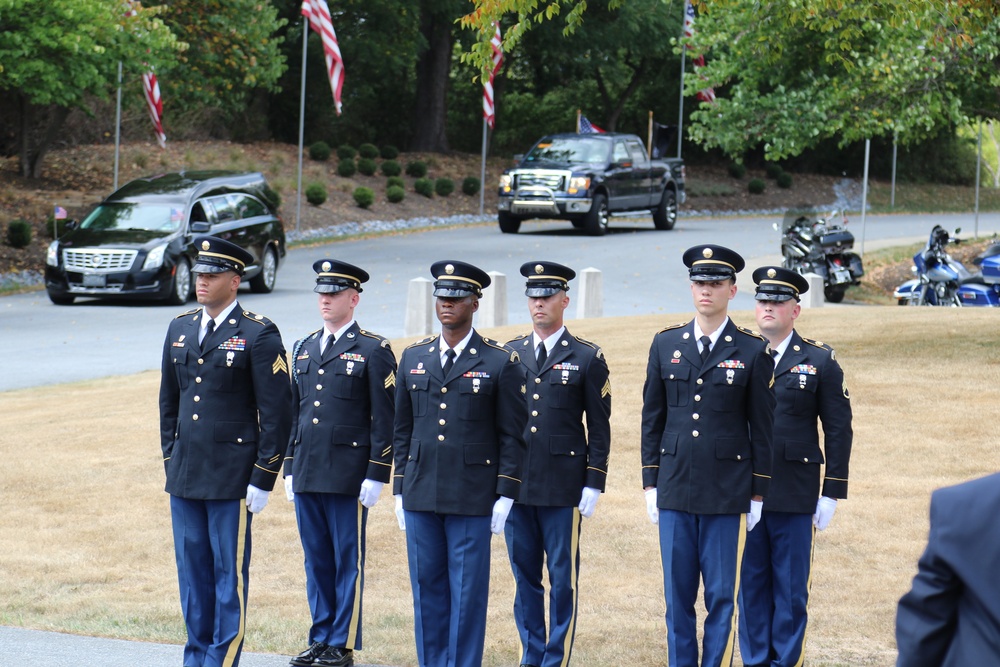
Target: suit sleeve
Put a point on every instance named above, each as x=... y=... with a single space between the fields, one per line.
x=382 y=395
x=511 y=418
x=838 y=434
x=402 y=430
x=654 y=418
x=760 y=414
x=597 y=405
x=273 y=394
x=169 y=402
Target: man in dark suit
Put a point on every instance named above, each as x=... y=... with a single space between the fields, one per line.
x=459 y=453
x=951 y=616
x=566 y=468
x=706 y=454
x=808 y=383
x=225 y=415
x=339 y=457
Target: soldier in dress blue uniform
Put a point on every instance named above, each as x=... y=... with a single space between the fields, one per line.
x=339 y=457
x=225 y=416
x=706 y=454
x=459 y=451
x=809 y=383
x=566 y=468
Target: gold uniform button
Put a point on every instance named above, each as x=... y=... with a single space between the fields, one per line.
x=316 y=403
x=534 y=429
x=488 y=462
x=201 y=361
x=572 y=453
x=700 y=381
x=534 y=413
x=805 y=460
x=538 y=380
x=321 y=371
x=442 y=422
x=239 y=440
x=697 y=397
x=444 y=406
x=444 y=390
x=194 y=417
x=319 y=387
x=315 y=420
x=694 y=433
x=354 y=444
x=197 y=398
x=198 y=380
x=440 y=438
x=696 y=416
x=739 y=458
x=535 y=396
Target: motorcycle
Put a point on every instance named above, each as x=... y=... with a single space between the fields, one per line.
x=944 y=281
x=812 y=244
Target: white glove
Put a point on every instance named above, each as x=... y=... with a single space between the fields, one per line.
x=753 y=516
x=370 y=490
x=288 y=489
x=824 y=512
x=256 y=498
x=501 y=508
x=400 y=517
x=651 y=509
x=588 y=501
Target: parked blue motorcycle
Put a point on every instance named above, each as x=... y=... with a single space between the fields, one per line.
x=944 y=281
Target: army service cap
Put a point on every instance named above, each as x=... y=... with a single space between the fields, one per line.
x=546 y=278
x=217 y=255
x=707 y=263
x=454 y=280
x=777 y=284
x=333 y=276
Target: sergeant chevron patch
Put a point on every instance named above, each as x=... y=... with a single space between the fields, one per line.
x=606 y=389
x=279 y=365
x=390 y=380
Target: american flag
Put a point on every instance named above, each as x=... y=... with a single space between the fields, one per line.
x=705 y=94
x=155 y=105
x=586 y=127
x=489 y=111
x=318 y=13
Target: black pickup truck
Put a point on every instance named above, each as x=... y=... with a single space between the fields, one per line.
x=587 y=178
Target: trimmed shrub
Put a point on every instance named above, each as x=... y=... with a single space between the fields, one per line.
x=395 y=181
x=444 y=187
x=424 y=186
x=784 y=180
x=737 y=169
x=395 y=194
x=470 y=185
x=369 y=151
x=367 y=166
x=346 y=168
x=319 y=151
x=773 y=170
x=389 y=152
x=391 y=168
x=416 y=169
x=756 y=186
x=316 y=193
x=18 y=233
x=364 y=197
x=346 y=152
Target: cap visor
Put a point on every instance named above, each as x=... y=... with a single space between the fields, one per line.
x=211 y=268
x=768 y=296
x=451 y=293
x=329 y=289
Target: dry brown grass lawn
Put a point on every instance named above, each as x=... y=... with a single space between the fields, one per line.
x=87 y=545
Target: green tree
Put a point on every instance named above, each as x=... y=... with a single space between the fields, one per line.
x=55 y=54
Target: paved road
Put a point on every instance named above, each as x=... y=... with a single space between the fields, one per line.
x=641 y=267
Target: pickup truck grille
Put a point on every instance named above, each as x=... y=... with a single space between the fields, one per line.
x=98 y=261
x=551 y=181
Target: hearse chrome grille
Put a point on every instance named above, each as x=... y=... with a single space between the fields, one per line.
x=98 y=261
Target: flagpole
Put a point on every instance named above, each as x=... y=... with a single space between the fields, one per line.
x=118 y=123
x=578 y=121
x=482 y=172
x=302 y=121
x=680 y=114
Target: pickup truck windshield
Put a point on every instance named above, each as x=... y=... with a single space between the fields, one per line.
x=571 y=150
x=150 y=217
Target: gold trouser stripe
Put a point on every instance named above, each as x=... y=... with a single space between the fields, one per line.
x=727 y=657
x=809 y=580
x=241 y=543
x=352 y=630
x=575 y=579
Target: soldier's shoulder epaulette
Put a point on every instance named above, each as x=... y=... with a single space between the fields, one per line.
x=256 y=317
x=751 y=333
x=521 y=337
x=312 y=336
x=672 y=327
x=425 y=341
x=820 y=344
x=382 y=340
x=514 y=356
x=597 y=349
x=190 y=312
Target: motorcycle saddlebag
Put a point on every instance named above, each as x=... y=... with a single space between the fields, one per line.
x=991 y=269
x=974 y=294
x=838 y=239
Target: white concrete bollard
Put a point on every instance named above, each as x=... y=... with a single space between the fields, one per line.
x=590 y=298
x=493 y=305
x=814 y=298
x=419 y=308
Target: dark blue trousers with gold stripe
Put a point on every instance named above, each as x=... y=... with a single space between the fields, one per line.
x=709 y=545
x=212 y=548
x=550 y=535
x=332 y=530
x=774 y=592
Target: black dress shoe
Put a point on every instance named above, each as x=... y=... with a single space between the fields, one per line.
x=335 y=657
x=526 y=665
x=308 y=657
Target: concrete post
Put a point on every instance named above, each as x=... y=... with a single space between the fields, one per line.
x=590 y=298
x=419 y=308
x=814 y=298
x=493 y=305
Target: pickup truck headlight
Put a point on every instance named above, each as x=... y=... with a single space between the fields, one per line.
x=578 y=184
x=154 y=259
x=506 y=183
x=52 y=254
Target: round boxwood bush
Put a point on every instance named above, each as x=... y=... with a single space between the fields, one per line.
x=470 y=185
x=444 y=187
x=316 y=193
x=424 y=186
x=784 y=180
x=18 y=233
x=319 y=151
x=756 y=186
x=391 y=168
x=346 y=152
x=346 y=167
x=389 y=152
x=395 y=181
x=737 y=169
x=416 y=169
x=773 y=170
x=364 y=196
x=395 y=194
x=367 y=166
x=369 y=151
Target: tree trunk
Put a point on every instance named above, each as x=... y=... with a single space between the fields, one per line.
x=49 y=122
x=433 y=65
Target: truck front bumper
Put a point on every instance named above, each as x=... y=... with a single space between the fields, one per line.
x=541 y=202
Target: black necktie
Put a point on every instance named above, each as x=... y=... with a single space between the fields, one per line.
x=449 y=362
x=706 y=342
x=209 y=328
x=542 y=354
x=774 y=354
x=330 y=340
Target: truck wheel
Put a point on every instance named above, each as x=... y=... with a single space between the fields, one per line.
x=577 y=223
x=834 y=294
x=595 y=223
x=665 y=215
x=509 y=223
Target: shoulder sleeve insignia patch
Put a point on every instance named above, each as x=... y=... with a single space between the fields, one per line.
x=524 y=389
x=514 y=357
x=606 y=389
x=390 y=379
x=279 y=365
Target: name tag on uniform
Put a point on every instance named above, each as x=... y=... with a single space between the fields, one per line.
x=417 y=371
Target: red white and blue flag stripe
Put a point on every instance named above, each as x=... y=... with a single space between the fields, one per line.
x=489 y=110
x=318 y=13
